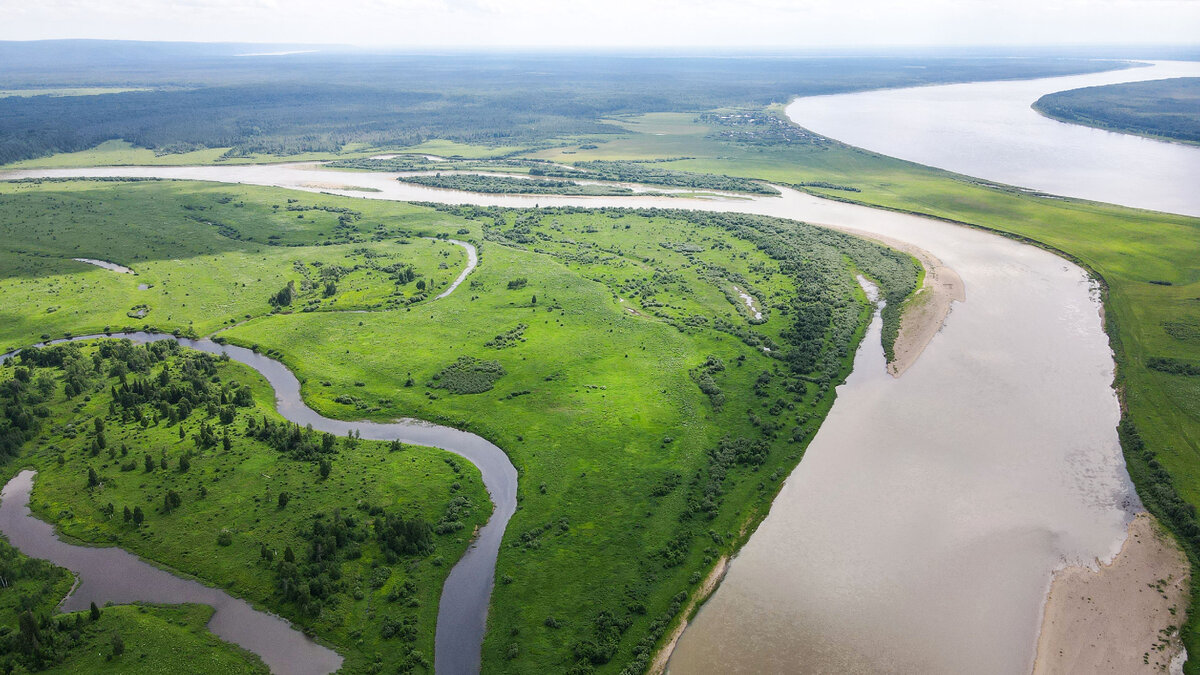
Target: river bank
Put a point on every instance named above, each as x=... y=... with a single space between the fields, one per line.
x=1122 y=617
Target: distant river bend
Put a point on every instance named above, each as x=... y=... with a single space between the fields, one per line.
x=989 y=130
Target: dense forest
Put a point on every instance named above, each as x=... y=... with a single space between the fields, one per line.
x=207 y=96
x=1162 y=108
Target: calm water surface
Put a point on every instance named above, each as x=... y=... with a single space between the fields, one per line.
x=988 y=130
x=920 y=531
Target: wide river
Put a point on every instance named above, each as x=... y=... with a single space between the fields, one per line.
x=988 y=130
x=921 y=529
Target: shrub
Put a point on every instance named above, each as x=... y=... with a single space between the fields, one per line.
x=469 y=375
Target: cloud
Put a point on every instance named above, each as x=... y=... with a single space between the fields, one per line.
x=615 y=23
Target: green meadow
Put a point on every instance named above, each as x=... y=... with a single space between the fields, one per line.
x=651 y=415
x=154 y=639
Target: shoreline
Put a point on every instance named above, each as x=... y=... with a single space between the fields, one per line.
x=925 y=311
x=1122 y=617
x=659 y=665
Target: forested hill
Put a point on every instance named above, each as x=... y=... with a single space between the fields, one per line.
x=1161 y=108
x=318 y=99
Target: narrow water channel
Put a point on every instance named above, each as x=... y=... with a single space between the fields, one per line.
x=114 y=575
x=111 y=574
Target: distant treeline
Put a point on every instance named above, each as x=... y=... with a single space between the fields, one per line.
x=1165 y=108
x=279 y=119
x=321 y=102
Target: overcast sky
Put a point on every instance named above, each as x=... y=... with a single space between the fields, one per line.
x=612 y=23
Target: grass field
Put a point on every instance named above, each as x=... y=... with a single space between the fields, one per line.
x=157 y=639
x=183 y=234
x=121 y=153
x=648 y=412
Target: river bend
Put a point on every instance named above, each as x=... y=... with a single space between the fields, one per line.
x=988 y=130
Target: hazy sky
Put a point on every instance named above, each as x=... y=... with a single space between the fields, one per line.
x=612 y=23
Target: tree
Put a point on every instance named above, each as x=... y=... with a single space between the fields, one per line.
x=226 y=441
x=283 y=499
x=184 y=463
x=181 y=433
x=94 y=612
x=118 y=645
x=534 y=301
x=171 y=501
x=325 y=468
x=330 y=288
x=420 y=284
x=149 y=463
x=128 y=514
x=93 y=479
x=138 y=516
x=30 y=637
x=284 y=297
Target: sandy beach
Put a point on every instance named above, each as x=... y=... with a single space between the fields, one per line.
x=1122 y=617
x=659 y=665
x=927 y=309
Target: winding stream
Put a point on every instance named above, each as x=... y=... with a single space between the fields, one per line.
x=472 y=262
x=921 y=529
x=110 y=574
x=111 y=267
